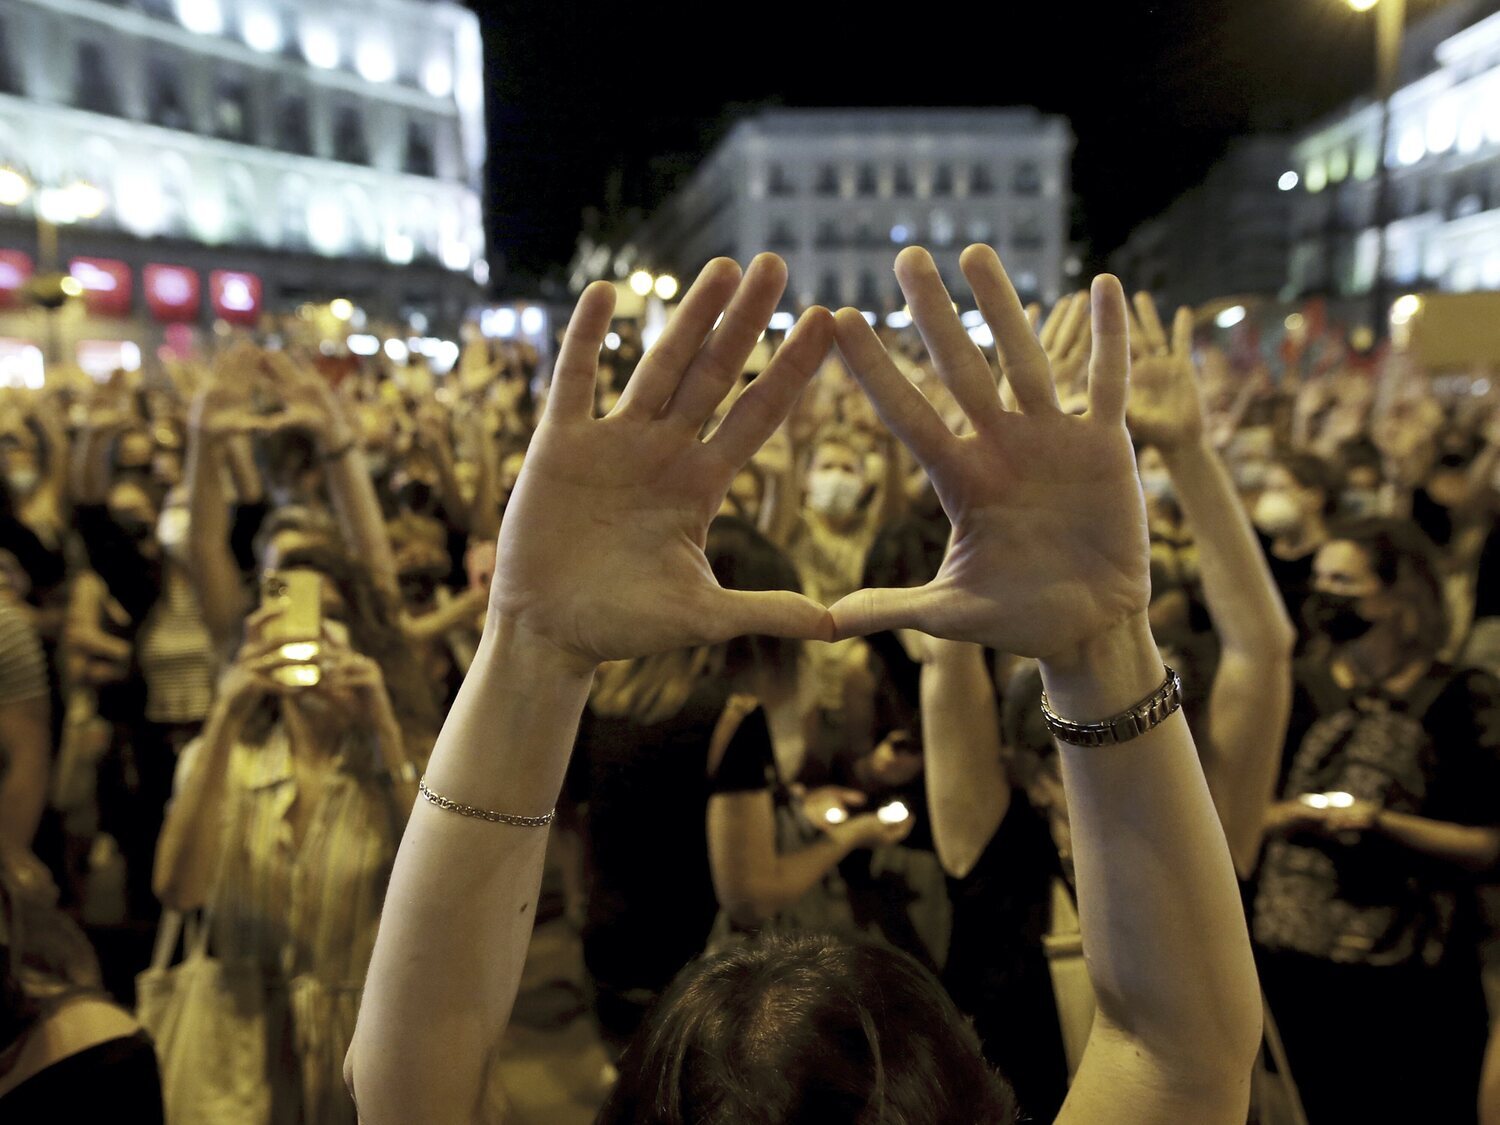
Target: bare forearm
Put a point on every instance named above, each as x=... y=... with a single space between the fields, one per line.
x=447 y=964
x=1474 y=849
x=1158 y=902
x=187 y=853
x=1247 y=609
x=968 y=794
x=211 y=563
x=358 y=510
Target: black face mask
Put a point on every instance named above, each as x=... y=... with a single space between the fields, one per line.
x=1335 y=617
x=134 y=527
x=416 y=496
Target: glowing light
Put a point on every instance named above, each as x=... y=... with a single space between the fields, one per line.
x=299 y=650
x=341 y=307
x=982 y=336
x=1365 y=161
x=893 y=813
x=56 y=206
x=1338 y=165
x=500 y=322
x=327 y=226
x=900 y=233
x=870 y=318
x=14 y=187
x=972 y=319
x=1295 y=322
x=320 y=46
x=236 y=295
x=1405 y=307
x=1288 y=181
x=261 y=30
x=1442 y=126
x=666 y=287
x=139 y=202
x=374 y=60
x=1340 y=800
x=396 y=351
x=209 y=217
x=456 y=254
x=835 y=815
x=781 y=322
x=1314 y=800
x=92 y=278
x=898 y=319
x=437 y=76
x=1230 y=316
x=612 y=341
x=202 y=16
x=87 y=200
x=399 y=248
x=443 y=356
x=1411 y=147
x=532 y=321
x=1362 y=5
x=22 y=366
x=1317 y=176
x=1471 y=135
x=481 y=272
x=641 y=283
x=71 y=287
x=361 y=344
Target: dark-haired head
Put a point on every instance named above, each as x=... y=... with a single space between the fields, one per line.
x=1407 y=585
x=806 y=1028
x=744 y=559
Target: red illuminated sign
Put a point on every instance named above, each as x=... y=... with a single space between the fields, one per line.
x=235 y=296
x=172 y=292
x=15 y=272
x=106 y=285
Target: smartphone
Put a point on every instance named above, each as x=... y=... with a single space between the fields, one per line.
x=298 y=595
x=1334 y=800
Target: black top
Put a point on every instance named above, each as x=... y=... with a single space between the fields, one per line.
x=114 y=1081
x=997 y=971
x=134 y=580
x=1487 y=588
x=47 y=569
x=651 y=900
x=1293 y=577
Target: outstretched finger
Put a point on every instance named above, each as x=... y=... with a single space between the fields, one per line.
x=571 y=396
x=767 y=613
x=1154 y=338
x=960 y=364
x=1182 y=332
x=722 y=359
x=1109 y=362
x=903 y=409
x=766 y=402
x=1055 y=320
x=1021 y=356
x=661 y=370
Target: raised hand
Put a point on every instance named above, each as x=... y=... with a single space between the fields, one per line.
x=1049 y=543
x=601 y=550
x=1064 y=337
x=1166 y=403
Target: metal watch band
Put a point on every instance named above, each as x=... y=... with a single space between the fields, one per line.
x=1131 y=723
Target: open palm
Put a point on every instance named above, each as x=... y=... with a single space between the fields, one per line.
x=1166 y=402
x=601 y=550
x=1049 y=541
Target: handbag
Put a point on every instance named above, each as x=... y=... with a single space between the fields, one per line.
x=208 y=1022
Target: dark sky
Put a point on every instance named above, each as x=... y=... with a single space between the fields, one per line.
x=1154 y=90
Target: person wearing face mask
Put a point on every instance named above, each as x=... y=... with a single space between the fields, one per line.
x=1365 y=913
x=1297 y=496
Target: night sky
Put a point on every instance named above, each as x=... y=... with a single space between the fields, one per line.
x=589 y=102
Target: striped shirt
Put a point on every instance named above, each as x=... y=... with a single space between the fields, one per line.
x=176 y=655
x=23 y=670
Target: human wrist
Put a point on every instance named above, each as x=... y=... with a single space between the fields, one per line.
x=1106 y=674
x=531 y=656
x=1185 y=453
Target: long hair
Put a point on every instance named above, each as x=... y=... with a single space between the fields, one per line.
x=807 y=1028
x=651 y=689
x=1405 y=561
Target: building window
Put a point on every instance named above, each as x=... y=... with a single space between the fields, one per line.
x=828 y=235
x=93 y=81
x=1027 y=179
x=295 y=133
x=980 y=230
x=163 y=97
x=349 y=143
x=980 y=180
x=942 y=228
x=831 y=291
x=868 y=184
x=902 y=181
x=232 y=112
x=828 y=180
x=780 y=182
x=942 y=180
x=420 y=160
x=782 y=237
x=1026 y=234
x=868 y=296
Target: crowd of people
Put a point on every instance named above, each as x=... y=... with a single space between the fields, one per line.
x=1084 y=727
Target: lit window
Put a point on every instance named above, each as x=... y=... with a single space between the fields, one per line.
x=320 y=46
x=203 y=16
x=1338 y=165
x=1412 y=147
x=1442 y=127
x=374 y=60
x=437 y=77
x=261 y=30
x=1365 y=162
x=1317 y=176
x=327 y=225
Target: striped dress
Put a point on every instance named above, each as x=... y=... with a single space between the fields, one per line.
x=176 y=656
x=305 y=915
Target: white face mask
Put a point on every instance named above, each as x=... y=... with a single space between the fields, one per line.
x=833 y=492
x=23 y=481
x=1158 y=486
x=172 y=529
x=1276 y=513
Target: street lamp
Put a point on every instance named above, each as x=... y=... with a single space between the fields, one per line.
x=641 y=283
x=1390 y=24
x=666 y=287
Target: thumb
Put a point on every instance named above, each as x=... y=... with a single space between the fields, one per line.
x=768 y=613
x=880 y=609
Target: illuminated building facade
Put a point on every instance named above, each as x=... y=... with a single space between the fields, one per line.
x=838 y=192
x=1443 y=161
x=326 y=149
